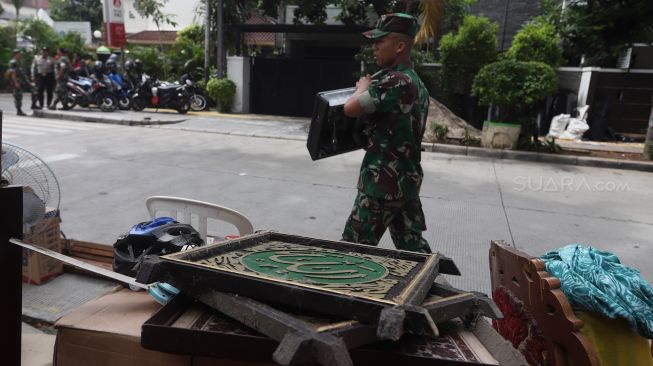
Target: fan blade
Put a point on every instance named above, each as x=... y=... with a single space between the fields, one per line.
x=8 y=159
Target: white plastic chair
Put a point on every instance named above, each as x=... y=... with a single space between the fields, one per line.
x=183 y=209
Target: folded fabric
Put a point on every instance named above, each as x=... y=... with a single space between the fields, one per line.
x=595 y=280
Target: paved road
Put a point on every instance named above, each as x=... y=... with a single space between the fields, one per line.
x=107 y=171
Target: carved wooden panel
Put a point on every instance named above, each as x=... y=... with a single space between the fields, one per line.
x=526 y=278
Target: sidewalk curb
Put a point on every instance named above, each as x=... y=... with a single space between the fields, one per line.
x=428 y=147
x=72 y=116
x=538 y=157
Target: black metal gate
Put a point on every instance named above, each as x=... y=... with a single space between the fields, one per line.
x=288 y=86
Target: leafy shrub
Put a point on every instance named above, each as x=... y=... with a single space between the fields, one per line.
x=73 y=43
x=187 y=53
x=222 y=91
x=514 y=86
x=153 y=63
x=463 y=54
x=440 y=131
x=469 y=140
x=537 y=41
x=532 y=143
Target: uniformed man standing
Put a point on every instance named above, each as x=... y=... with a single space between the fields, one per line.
x=43 y=76
x=395 y=104
x=62 y=70
x=19 y=81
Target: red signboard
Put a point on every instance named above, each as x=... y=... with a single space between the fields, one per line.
x=115 y=35
x=114 y=27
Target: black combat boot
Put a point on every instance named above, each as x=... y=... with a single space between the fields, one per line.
x=19 y=112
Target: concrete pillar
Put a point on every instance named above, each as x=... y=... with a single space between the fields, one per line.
x=238 y=71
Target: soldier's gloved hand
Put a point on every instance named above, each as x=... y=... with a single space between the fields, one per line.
x=162 y=292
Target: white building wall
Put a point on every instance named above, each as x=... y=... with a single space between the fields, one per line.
x=238 y=71
x=182 y=12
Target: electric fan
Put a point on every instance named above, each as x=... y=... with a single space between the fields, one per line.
x=40 y=186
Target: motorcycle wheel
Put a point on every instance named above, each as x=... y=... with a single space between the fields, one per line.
x=183 y=109
x=124 y=103
x=107 y=102
x=68 y=103
x=198 y=102
x=138 y=104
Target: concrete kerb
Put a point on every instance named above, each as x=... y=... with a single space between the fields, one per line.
x=428 y=147
x=539 y=157
x=108 y=119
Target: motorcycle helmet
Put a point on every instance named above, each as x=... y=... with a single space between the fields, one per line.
x=129 y=65
x=112 y=66
x=138 y=64
x=160 y=236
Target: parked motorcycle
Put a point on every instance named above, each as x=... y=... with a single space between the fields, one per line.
x=198 y=98
x=85 y=91
x=122 y=89
x=154 y=94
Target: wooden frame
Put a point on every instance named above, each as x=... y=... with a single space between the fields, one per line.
x=526 y=278
x=183 y=326
x=220 y=267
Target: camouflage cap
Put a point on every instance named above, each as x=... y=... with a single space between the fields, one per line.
x=17 y=50
x=394 y=22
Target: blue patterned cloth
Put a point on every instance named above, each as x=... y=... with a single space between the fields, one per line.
x=595 y=280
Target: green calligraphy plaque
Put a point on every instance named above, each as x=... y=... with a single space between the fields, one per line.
x=312 y=266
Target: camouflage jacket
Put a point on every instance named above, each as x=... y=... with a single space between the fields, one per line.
x=21 y=76
x=396 y=104
x=62 y=62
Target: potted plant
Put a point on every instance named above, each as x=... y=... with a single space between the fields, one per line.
x=514 y=87
x=222 y=91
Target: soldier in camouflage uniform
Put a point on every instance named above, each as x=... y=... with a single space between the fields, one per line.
x=395 y=103
x=62 y=70
x=19 y=81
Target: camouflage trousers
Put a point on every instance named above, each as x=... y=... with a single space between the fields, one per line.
x=61 y=90
x=370 y=217
x=18 y=96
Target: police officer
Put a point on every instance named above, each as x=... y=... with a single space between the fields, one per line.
x=43 y=76
x=62 y=69
x=395 y=104
x=19 y=81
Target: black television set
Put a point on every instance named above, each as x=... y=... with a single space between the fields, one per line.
x=331 y=132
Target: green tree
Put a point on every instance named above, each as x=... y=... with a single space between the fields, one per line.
x=72 y=42
x=187 y=53
x=77 y=10
x=514 y=86
x=537 y=41
x=599 y=29
x=462 y=55
x=153 y=61
x=152 y=9
x=39 y=32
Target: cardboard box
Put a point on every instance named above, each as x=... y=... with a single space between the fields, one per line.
x=38 y=268
x=107 y=332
